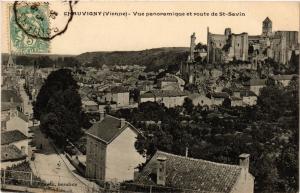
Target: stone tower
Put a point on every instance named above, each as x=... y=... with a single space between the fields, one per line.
x=267 y=27
x=192 y=47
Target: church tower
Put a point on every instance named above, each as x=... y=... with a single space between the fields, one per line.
x=267 y=27
x=10 y=63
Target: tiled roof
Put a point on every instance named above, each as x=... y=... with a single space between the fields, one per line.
x=147 y=95
x=256 y=82
x=109 y=128
x=168 y=79
x=220 y=95
x=11 y=153
x=117 y=89
x=89 y=103
x=6 y=96
x=284 y=77
x=233 y=98
x=246 y=93
x=8 y=137
x=163 y=93
x=189 y=173
x=145 y=82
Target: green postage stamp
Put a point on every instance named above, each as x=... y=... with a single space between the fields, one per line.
x=28 y=24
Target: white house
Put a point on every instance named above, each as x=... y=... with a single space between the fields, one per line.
x=255 y=85
x=110 y=152
x=170 y=98
x=17 y=121
x=14 y=147
x=117 y=94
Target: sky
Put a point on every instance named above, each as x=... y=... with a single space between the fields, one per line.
x=112 y=33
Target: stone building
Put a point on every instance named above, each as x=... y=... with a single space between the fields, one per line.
x=277 y=45
x=110 y=150
x=223 y=48
x=170 y=98
x=226 y=47
x=185 y=173
x=118 y=95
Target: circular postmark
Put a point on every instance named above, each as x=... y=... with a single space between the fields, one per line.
x=39 y=21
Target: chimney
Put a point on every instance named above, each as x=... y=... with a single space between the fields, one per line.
x=102 y=114
x=122 y=121
x=186 y=151
x=244 y=161
x=161 y=170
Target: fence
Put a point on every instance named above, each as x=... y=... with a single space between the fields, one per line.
x=27 y=179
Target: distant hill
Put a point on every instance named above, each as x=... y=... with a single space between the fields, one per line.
x=153 y=59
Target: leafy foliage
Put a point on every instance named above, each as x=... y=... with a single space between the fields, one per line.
x=58 y=107
x=267 y=131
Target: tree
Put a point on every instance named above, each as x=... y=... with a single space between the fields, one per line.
x=226 y=103
x=294 y=62
x=135 y=94
x=188 y=105
x=58 y=107
x=200 y=46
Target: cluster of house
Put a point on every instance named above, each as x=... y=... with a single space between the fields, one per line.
x=14 y=123
x=111 y=156
x=168 y=90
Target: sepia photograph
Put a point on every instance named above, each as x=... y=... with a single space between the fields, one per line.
x=149 y=96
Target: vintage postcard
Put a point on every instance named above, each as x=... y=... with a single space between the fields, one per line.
x=149 y=96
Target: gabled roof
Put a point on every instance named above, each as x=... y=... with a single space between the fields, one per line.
x=267 y=20
x=163 y=93
x=108 y=129
x=220 y=95
x=89 y=103
x=10 y=61
x=168 y=79
x=8 y=137
x=117 y=89
x=256 y=82
x=247 y=93
x=11 y=153
x=233 y=98
x=195 y=174
x=284 y=76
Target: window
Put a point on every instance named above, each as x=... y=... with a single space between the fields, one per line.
x=238 y=45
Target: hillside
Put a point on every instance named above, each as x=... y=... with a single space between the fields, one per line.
x=153 y=59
